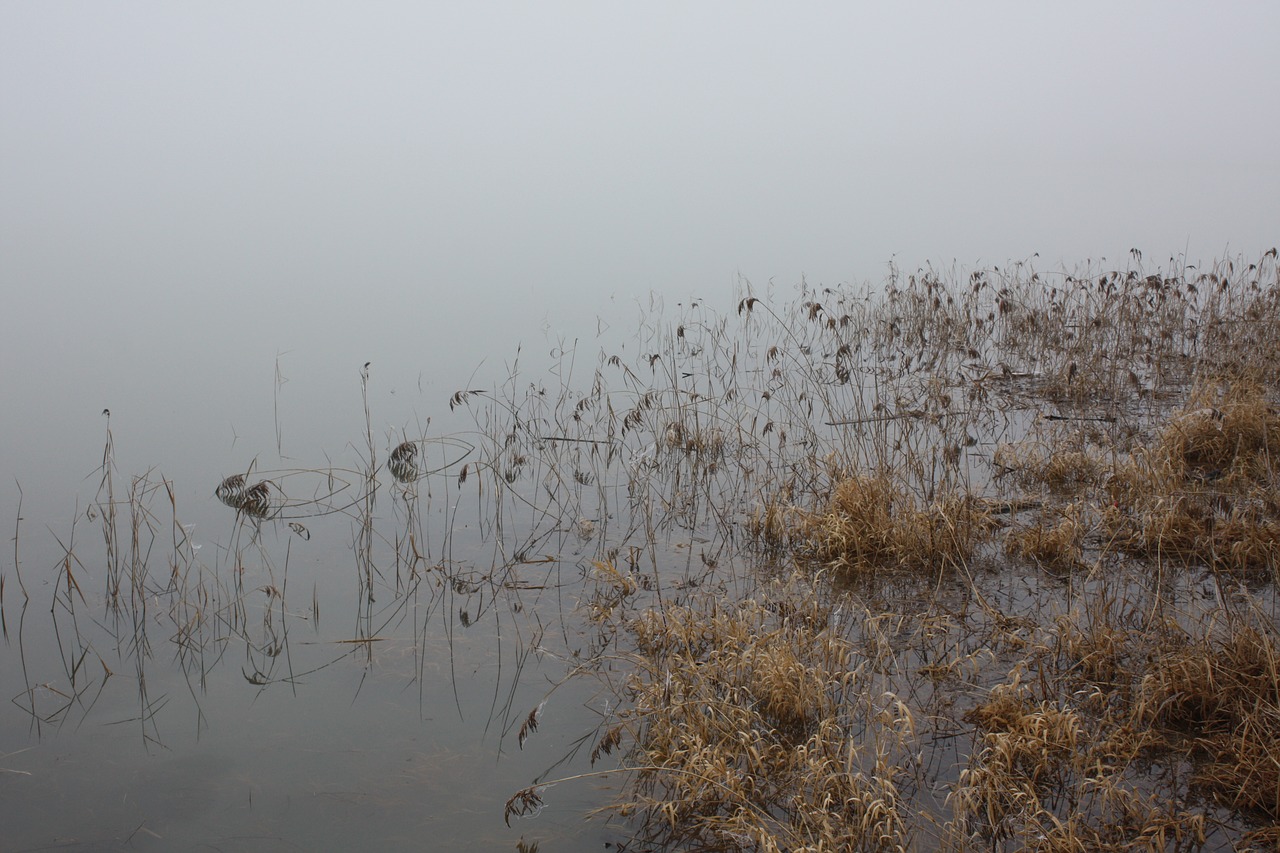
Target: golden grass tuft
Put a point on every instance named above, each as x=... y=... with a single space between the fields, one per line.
x=1056 y=540
x=754 y=731
x=1064 y=734
x=1204 y=490
x=1224 y=431
x=871 y=523
x=1218 y=700
x=1061 y=469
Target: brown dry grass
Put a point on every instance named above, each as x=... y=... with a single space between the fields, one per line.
x=1205 y=489
x=1056 y=539
x=745 y=730
x=1216 y=699
x=1074 y=739
x=1014 y=512
x=782 y=722
x=872 y=523
x=1063 y=468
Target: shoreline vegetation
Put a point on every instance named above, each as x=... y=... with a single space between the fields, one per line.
x=979 y=562
x=1011 y=548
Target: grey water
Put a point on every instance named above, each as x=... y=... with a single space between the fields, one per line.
x=268 y=699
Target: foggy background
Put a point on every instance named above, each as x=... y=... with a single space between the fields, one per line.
x=191 y=193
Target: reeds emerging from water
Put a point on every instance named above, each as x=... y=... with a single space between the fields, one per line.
x=1039 y=519
x=980 y=562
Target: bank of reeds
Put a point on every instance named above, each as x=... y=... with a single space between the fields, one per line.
x=1051 y=502
x=966 y=562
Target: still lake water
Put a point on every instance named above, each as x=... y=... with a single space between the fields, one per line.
x=300 y=681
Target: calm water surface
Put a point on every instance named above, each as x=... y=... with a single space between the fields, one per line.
x=299 y=681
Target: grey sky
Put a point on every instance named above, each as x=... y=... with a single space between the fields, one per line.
x=632 y=146
x=244 y=177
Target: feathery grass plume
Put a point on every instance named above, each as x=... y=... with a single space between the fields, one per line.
x=530 y=724
x=403 y=462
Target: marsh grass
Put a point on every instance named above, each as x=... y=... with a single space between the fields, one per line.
x=1115 y=730
x=1037 y=518
x=871 y=523
x=965 y=562
x=755 y=707
x=1204 y=490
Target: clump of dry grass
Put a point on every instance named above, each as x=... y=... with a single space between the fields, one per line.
x=1224 y=431
x=694 y=438
x=1056 y=540
x=1061 y=469
x=1217 y=700
x=755 y=729
x=1204 y=490
x=872 y=523
x=1074 y=739
x=1051 y=775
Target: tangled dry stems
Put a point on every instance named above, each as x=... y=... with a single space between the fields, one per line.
x=1115 y=429
x=872 y=523
x=747 y=715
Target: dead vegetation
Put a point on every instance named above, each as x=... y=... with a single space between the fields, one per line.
x=1040 y=523
x=1107 y=736
x=747 y=713
x=872 y=523
x=981 y=562
x=1204 y=490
